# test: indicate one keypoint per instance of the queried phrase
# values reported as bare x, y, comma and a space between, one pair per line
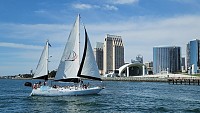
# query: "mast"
88, 67
48, 45
84, 55
79, 37
41, 71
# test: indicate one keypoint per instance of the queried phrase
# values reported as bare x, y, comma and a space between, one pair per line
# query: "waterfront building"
98, 53
193, 56
132, 69
149, 67
166, 59
113, 53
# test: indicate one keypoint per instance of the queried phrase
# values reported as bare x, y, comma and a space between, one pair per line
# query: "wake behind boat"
70, 69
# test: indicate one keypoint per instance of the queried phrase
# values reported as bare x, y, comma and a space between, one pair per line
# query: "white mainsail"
42, 67
69, 63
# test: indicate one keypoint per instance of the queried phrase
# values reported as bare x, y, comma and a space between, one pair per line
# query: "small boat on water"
70, 68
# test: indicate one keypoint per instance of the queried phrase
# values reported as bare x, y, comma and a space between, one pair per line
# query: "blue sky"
25, 25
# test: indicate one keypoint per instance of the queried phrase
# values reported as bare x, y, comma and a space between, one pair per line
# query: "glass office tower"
193, 57
166, 59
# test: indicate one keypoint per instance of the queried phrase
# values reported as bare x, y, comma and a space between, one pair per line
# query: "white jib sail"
42, 67
69, 63
90, 67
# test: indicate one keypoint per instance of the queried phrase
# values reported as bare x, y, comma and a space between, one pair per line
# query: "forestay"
88, 67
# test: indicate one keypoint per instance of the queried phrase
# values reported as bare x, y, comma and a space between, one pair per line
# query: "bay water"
117, 97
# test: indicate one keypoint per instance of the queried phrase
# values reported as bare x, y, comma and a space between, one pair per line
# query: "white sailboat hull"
69, 91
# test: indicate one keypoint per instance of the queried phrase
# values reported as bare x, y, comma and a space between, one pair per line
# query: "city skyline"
26, 25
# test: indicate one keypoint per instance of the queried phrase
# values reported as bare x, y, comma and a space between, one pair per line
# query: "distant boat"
70, 69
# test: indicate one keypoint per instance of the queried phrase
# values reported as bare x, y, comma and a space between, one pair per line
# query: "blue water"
118, 96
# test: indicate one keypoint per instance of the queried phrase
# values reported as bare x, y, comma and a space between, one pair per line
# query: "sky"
25, 25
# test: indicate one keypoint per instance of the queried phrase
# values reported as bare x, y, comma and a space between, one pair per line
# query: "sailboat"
71, 69
41, 71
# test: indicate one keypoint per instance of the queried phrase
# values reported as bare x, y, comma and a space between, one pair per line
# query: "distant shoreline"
136, 79
151, 78
146, 78
23, 78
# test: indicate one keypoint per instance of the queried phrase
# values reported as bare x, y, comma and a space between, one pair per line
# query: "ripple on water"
117, 97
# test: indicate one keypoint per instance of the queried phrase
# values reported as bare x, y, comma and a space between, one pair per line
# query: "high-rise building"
193, 56
183, 64
98, 53
166, 59
113, 52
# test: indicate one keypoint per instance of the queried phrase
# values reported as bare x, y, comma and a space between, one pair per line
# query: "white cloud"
21, 46
110, 7
89, 6
124, 1
104, 6
82, 6
139, 36
35, 32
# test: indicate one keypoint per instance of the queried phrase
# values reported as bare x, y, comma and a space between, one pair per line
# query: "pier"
170, 80
184, 81
136, 79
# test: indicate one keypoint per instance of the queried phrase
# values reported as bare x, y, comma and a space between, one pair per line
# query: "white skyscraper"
113, 53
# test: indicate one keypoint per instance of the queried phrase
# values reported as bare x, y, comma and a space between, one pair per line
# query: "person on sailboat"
88, 84
45, 83
35, 85
40, 83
